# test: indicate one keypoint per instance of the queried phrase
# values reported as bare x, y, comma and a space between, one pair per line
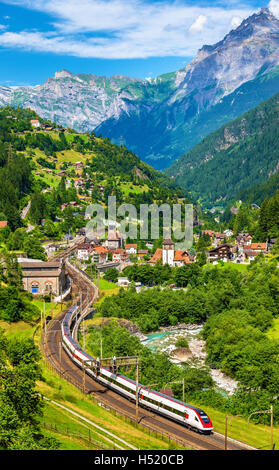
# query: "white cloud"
236, 21
199, 24
274, 7
124, 28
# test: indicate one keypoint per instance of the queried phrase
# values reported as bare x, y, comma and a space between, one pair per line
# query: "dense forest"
241, 154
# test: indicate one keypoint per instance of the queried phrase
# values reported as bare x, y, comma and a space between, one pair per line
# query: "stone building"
42, 278
114, 240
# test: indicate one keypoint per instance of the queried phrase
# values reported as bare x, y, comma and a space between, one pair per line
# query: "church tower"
168, 252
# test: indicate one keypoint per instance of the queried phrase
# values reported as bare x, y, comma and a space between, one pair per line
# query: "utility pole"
137, 392
83, 335
226, 432
61, 301
115, 362
271, 427
271, 422
83, 380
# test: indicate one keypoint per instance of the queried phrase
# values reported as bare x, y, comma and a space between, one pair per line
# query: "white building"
83, 251
168, 252
131, 249
123, 282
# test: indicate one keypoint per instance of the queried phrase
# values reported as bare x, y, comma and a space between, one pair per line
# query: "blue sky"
138, 38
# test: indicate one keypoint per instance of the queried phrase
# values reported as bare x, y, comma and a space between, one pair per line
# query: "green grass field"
72, 156
104, 285
239, 267
256, 435
127, 188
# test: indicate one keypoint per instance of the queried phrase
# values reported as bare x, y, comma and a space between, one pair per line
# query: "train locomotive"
176, 410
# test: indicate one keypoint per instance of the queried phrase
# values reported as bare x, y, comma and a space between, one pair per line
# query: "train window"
196, 419
204, 417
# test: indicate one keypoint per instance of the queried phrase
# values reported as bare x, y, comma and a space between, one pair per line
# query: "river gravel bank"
164, 340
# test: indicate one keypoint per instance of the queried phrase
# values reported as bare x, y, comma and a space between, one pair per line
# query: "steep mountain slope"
163, 118
39, 158
258, 193
84, 101
243, 153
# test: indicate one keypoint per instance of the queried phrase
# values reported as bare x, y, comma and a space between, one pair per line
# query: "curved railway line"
61, 362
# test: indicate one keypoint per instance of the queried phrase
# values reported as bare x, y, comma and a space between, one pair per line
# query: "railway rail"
61, 362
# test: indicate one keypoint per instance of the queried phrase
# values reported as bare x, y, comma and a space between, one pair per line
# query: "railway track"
58, 358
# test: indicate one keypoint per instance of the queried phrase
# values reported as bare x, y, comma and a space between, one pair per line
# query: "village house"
131, 249
181, 258
243, 239
142, 253
84, 251
99, 254
228, 233
79, 183
254, 249
123, 282
78, 165
119, 255
215, 236
211, 233
3, 223
157, 256
62, 173
221, 252
51, 249
35, 123
219, 238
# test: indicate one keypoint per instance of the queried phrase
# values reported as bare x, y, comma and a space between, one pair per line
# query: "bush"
182, 343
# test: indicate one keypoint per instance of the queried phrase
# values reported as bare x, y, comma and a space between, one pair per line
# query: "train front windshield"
204, 417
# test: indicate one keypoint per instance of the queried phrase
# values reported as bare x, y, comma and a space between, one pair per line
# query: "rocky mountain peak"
63, 74
258, 25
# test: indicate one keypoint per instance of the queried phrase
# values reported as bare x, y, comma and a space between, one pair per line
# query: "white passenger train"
187, 415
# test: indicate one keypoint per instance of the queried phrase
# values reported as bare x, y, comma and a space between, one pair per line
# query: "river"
164, 341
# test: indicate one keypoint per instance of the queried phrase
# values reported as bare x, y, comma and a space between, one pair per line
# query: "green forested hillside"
51, 168
241, 154
257, 194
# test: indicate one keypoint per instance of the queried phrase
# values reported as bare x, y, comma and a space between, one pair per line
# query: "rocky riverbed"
165, 340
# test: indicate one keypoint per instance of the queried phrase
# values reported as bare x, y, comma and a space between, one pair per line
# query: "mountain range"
163, 118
